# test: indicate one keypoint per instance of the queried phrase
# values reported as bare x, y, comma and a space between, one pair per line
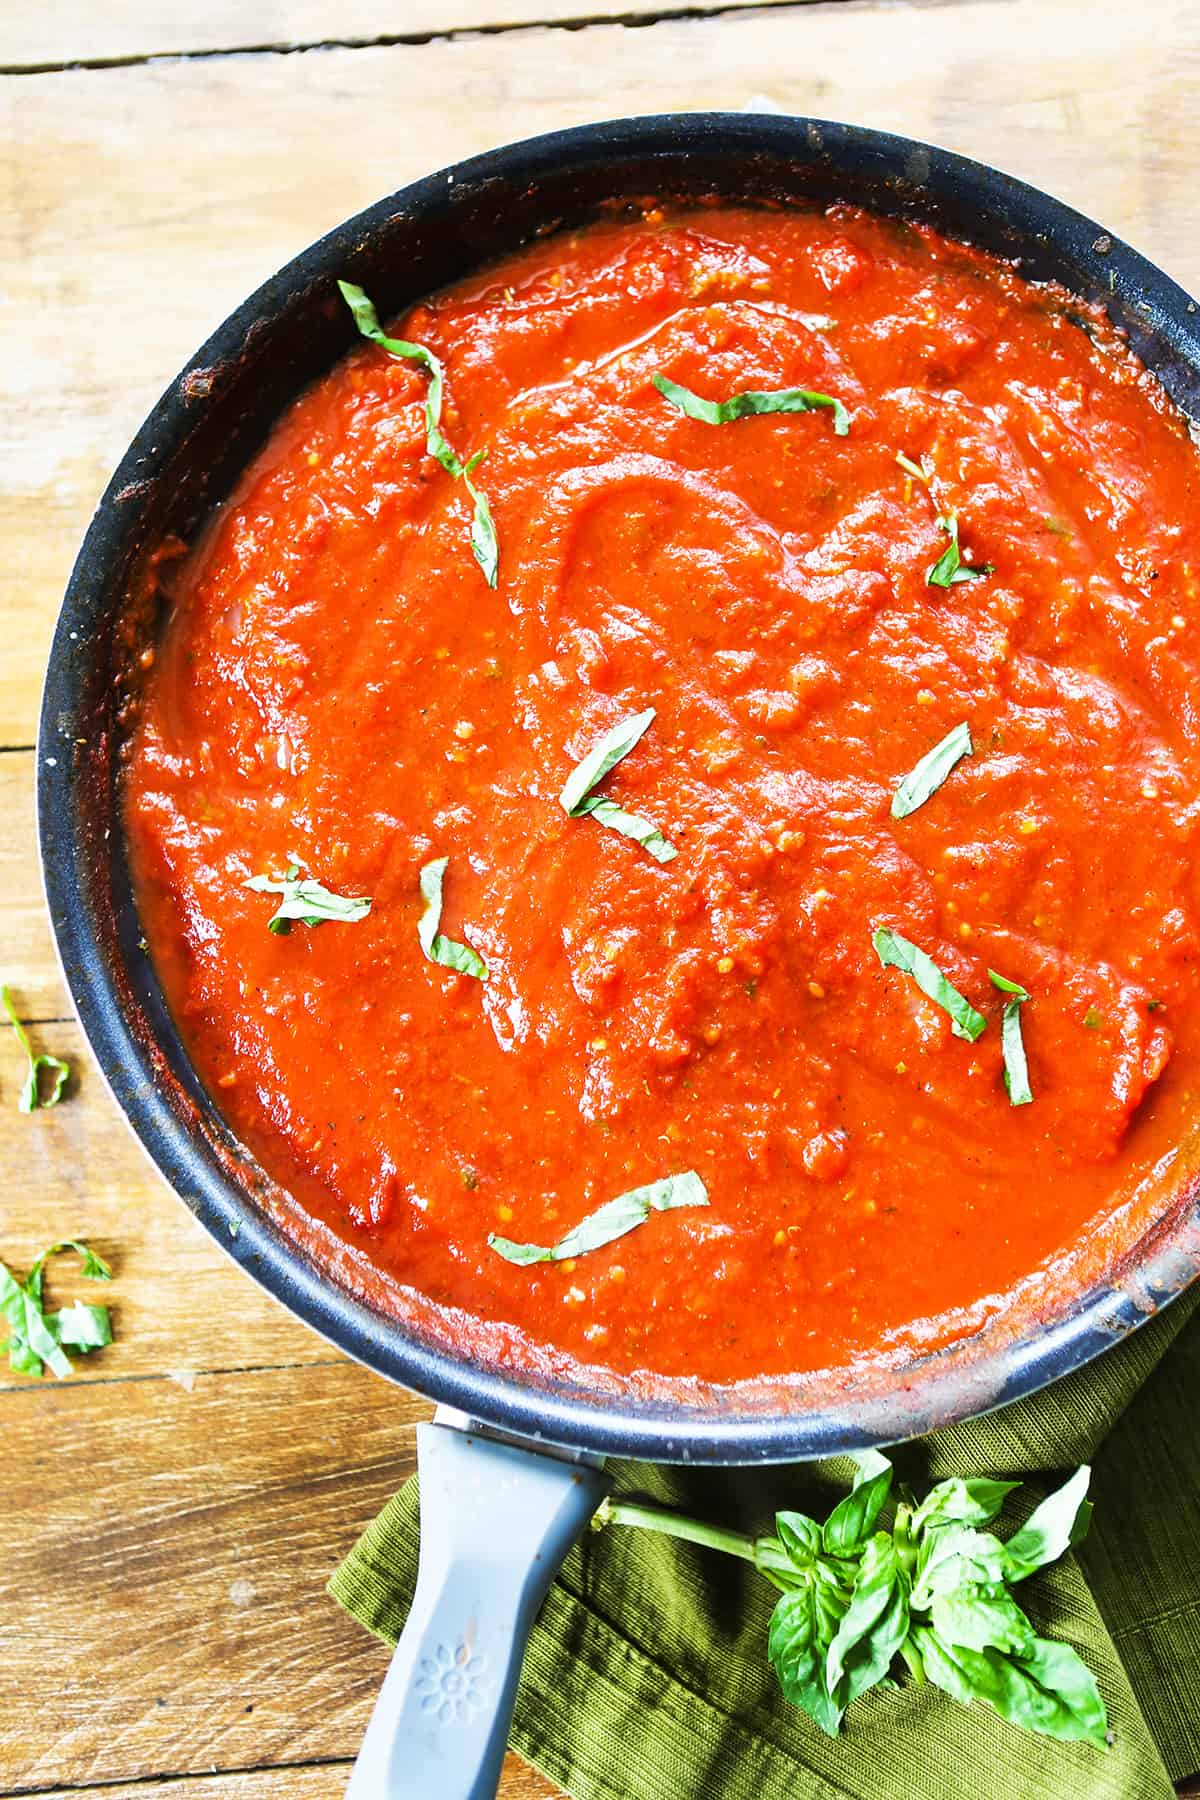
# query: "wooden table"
169, 1517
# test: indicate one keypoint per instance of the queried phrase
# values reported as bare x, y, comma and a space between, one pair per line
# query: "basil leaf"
630, 825
306, 902
610, 1221
982, 1618
36, 1337
797, 1651
800, 1537
1016, 1069
483, 531
852, 1520
950, 1557
975, 1501
928, 775
867, 1463
950, 566
922, 471
874, 1626
578, 801
81, 1326
437, 948
742, 406
895, 952
484, 547
367, 320
1049, 1690
30, 1097
1054, 1527
605, 755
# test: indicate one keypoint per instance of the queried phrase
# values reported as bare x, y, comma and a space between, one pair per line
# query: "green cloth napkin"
647, 1678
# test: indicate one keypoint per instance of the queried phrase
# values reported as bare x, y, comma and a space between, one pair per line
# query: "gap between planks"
630, 14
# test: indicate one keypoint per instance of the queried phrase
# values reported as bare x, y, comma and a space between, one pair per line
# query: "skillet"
530, 1446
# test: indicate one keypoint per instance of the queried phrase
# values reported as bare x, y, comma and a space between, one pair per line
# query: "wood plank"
126, 259
180, 1625
27, 960
324, 1782
74, 31
179, 1304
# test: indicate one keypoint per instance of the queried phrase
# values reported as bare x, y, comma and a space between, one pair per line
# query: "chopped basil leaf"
578, 801
1016, 1069
931, 771
817, 321
922, 471
483, 531
307, 902
896, 952
741, 406
950, 566
1093, 1019
36, 1338
30, 1097
1155, 1005
610, 1221
437, 948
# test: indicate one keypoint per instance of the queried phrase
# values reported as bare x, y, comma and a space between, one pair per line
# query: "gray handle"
496, 1523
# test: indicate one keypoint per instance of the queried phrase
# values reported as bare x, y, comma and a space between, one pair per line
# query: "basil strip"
483, 531
931, 771
610, 1221
307, 902
35, 1336
578, 801
950, 566
1016, 1069
742, 406
30, 1097
437, 948
895, 952
922, 471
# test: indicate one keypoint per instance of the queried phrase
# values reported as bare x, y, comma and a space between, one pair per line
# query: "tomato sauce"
337, 687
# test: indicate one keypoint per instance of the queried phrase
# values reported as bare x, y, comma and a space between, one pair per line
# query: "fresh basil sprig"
931, 1590
30, 1097
743, 406
610, 1221
895, 952
437, 948
950, 566
1016, 1069
928, 775
36, 1338
306, 902
483, 531
579, 802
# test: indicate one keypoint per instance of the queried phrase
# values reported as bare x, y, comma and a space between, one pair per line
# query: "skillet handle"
496, 1523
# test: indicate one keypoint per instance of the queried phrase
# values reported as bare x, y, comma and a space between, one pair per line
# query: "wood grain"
172, 1550
142, 203
27, 960
322, 1782
73, 31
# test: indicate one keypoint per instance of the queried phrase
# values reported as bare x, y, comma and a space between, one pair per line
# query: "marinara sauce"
338, 689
